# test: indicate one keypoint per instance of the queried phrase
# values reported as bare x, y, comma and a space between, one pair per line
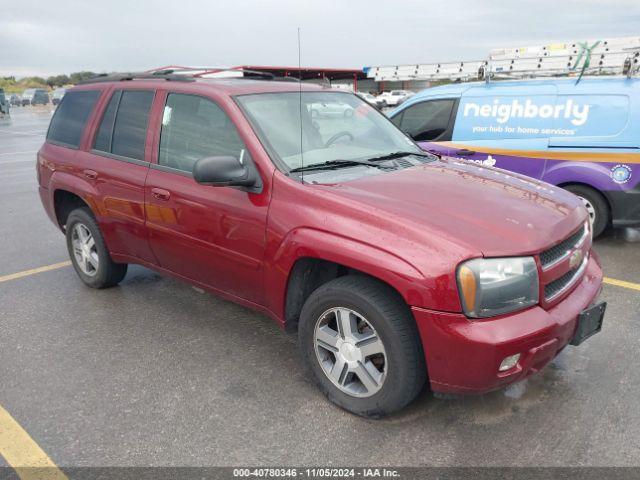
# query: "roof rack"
123, 77
185, 74
600, 57
217, 72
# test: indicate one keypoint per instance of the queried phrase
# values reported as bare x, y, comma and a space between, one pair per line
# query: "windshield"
335, 126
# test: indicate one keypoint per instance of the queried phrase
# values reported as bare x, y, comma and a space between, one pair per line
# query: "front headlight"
493, 286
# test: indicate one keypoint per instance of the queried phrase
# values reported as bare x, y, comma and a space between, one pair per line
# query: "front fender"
596, 175
312, 243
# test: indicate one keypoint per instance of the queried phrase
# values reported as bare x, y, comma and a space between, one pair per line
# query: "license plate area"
589, 323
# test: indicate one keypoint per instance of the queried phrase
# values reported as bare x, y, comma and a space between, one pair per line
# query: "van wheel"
360, 343
88, 253
596, 206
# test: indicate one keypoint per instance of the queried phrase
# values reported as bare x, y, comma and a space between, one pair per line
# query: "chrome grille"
560, 251
563, 283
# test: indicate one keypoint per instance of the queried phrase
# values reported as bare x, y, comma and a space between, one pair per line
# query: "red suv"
393, 266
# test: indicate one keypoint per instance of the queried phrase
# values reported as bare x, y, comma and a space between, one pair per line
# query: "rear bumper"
463, 356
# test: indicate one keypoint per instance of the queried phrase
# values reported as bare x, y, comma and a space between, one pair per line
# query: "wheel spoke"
365, 378
346, 323
327, 338
370, 346
338, 372
93, 260
82, 235
90, 242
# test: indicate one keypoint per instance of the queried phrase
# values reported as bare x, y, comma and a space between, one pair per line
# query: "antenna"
300, 99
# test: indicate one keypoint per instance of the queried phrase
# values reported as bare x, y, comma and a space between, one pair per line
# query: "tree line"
11, 84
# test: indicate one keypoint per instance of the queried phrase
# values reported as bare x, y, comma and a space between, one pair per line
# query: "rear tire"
88, 252
392, 366
596, 206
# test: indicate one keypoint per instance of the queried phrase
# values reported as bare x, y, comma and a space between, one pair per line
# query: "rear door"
116, 165
506, 126
429, 123
213, 235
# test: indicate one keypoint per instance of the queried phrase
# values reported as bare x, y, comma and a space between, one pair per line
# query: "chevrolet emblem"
575, 259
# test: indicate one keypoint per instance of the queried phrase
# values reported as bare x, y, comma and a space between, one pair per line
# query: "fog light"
509, 362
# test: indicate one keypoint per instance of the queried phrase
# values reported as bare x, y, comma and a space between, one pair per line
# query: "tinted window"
427, 120
71, 117
130, 128
194, 128
103, 138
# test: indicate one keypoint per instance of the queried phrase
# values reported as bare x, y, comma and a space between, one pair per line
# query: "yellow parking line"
23, 454
621, 283
33, 271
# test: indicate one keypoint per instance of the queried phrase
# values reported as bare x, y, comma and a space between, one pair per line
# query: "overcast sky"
62, 36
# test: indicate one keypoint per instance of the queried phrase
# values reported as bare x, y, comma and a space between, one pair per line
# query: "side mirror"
222, 171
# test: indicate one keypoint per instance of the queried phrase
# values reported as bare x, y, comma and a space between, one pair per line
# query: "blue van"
584, 136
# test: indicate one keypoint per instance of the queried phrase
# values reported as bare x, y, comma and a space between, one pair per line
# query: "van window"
71, 117
428, 120
194, 127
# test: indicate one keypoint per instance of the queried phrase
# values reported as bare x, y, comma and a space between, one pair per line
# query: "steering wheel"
338, 135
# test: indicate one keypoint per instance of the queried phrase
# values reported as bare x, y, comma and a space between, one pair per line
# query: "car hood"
487, 210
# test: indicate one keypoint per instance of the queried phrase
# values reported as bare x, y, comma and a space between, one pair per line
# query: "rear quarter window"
71, 117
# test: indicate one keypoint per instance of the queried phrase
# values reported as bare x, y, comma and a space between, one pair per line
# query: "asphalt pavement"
154, 372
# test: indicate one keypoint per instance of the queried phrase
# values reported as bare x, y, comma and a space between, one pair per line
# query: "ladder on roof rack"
609, 56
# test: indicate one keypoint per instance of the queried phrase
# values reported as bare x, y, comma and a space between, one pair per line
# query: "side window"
103, 138
194, 128
427, 120
71, 117
123, 129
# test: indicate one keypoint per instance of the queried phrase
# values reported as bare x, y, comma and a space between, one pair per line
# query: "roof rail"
600, 57
123, 77
217, 72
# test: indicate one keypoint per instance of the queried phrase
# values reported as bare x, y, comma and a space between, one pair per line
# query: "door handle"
464, 152
90, 174
161, 194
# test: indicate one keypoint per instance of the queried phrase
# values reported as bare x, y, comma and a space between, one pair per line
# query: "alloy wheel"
350, 352
84, 249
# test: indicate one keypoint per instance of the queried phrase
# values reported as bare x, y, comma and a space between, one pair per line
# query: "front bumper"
463, 356
625, 207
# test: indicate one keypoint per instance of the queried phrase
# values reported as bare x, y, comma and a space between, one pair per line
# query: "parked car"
35, 96
393, 266
370, 99
14, 100
394, 97
330, 109
583, 137
57, 95
4, 103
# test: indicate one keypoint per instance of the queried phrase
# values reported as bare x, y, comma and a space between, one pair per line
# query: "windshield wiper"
331, 164
390, 156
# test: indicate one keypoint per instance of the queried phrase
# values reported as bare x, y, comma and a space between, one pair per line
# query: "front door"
429, 123
213, 235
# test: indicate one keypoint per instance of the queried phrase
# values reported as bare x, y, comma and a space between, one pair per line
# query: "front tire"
360, 342
595, 204
88, 252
